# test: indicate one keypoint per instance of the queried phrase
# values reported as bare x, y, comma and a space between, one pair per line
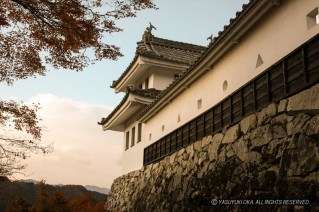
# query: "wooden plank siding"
292, 74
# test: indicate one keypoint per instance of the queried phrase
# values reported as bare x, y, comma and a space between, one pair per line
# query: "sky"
73, 102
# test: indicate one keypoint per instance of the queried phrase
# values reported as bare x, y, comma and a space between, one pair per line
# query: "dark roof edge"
137, 92
176, 44
104, 120
115, 82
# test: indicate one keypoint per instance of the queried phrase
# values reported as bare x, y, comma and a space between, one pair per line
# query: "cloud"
83, 153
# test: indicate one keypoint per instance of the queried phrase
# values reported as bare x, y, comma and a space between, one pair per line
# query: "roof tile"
167, 50
150, 93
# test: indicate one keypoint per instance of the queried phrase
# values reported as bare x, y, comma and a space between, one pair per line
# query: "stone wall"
264, 162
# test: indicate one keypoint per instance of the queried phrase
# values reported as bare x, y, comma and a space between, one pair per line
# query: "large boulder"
248, 123
231, 135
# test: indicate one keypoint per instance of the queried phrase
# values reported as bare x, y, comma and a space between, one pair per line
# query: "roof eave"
133, 100
143, 62
161, 42
136, 64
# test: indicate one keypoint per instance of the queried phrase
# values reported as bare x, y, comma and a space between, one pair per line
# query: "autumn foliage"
38, 34
55, 202
13, 149
64, 29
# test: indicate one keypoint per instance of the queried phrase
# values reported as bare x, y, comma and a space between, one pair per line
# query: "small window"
127, 140
133, 137
312, 18
178, 118
199, 104
225, 85
139, 132
163, 128
150, 136
146, 83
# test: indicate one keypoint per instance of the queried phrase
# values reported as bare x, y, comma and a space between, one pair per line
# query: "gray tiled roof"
166, 50
174, 51
150, 93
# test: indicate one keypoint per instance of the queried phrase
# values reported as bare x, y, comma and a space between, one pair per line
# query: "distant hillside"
88, 187
9, 191
97, 189
29, 181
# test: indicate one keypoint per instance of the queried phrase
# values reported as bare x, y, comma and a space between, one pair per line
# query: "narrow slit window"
139, 132
225, 85
127, 137
199, 104
133, 137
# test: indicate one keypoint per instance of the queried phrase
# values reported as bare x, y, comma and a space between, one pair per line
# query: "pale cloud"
83, 153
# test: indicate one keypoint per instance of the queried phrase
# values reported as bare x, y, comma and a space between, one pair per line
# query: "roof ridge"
172, 43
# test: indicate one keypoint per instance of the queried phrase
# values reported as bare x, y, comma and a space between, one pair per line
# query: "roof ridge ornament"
148, 37
150, 27
211, 38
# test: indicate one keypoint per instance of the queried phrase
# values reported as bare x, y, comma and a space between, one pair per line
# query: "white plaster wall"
144, 83
151, 81
282, 31
133, 156
162, 80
